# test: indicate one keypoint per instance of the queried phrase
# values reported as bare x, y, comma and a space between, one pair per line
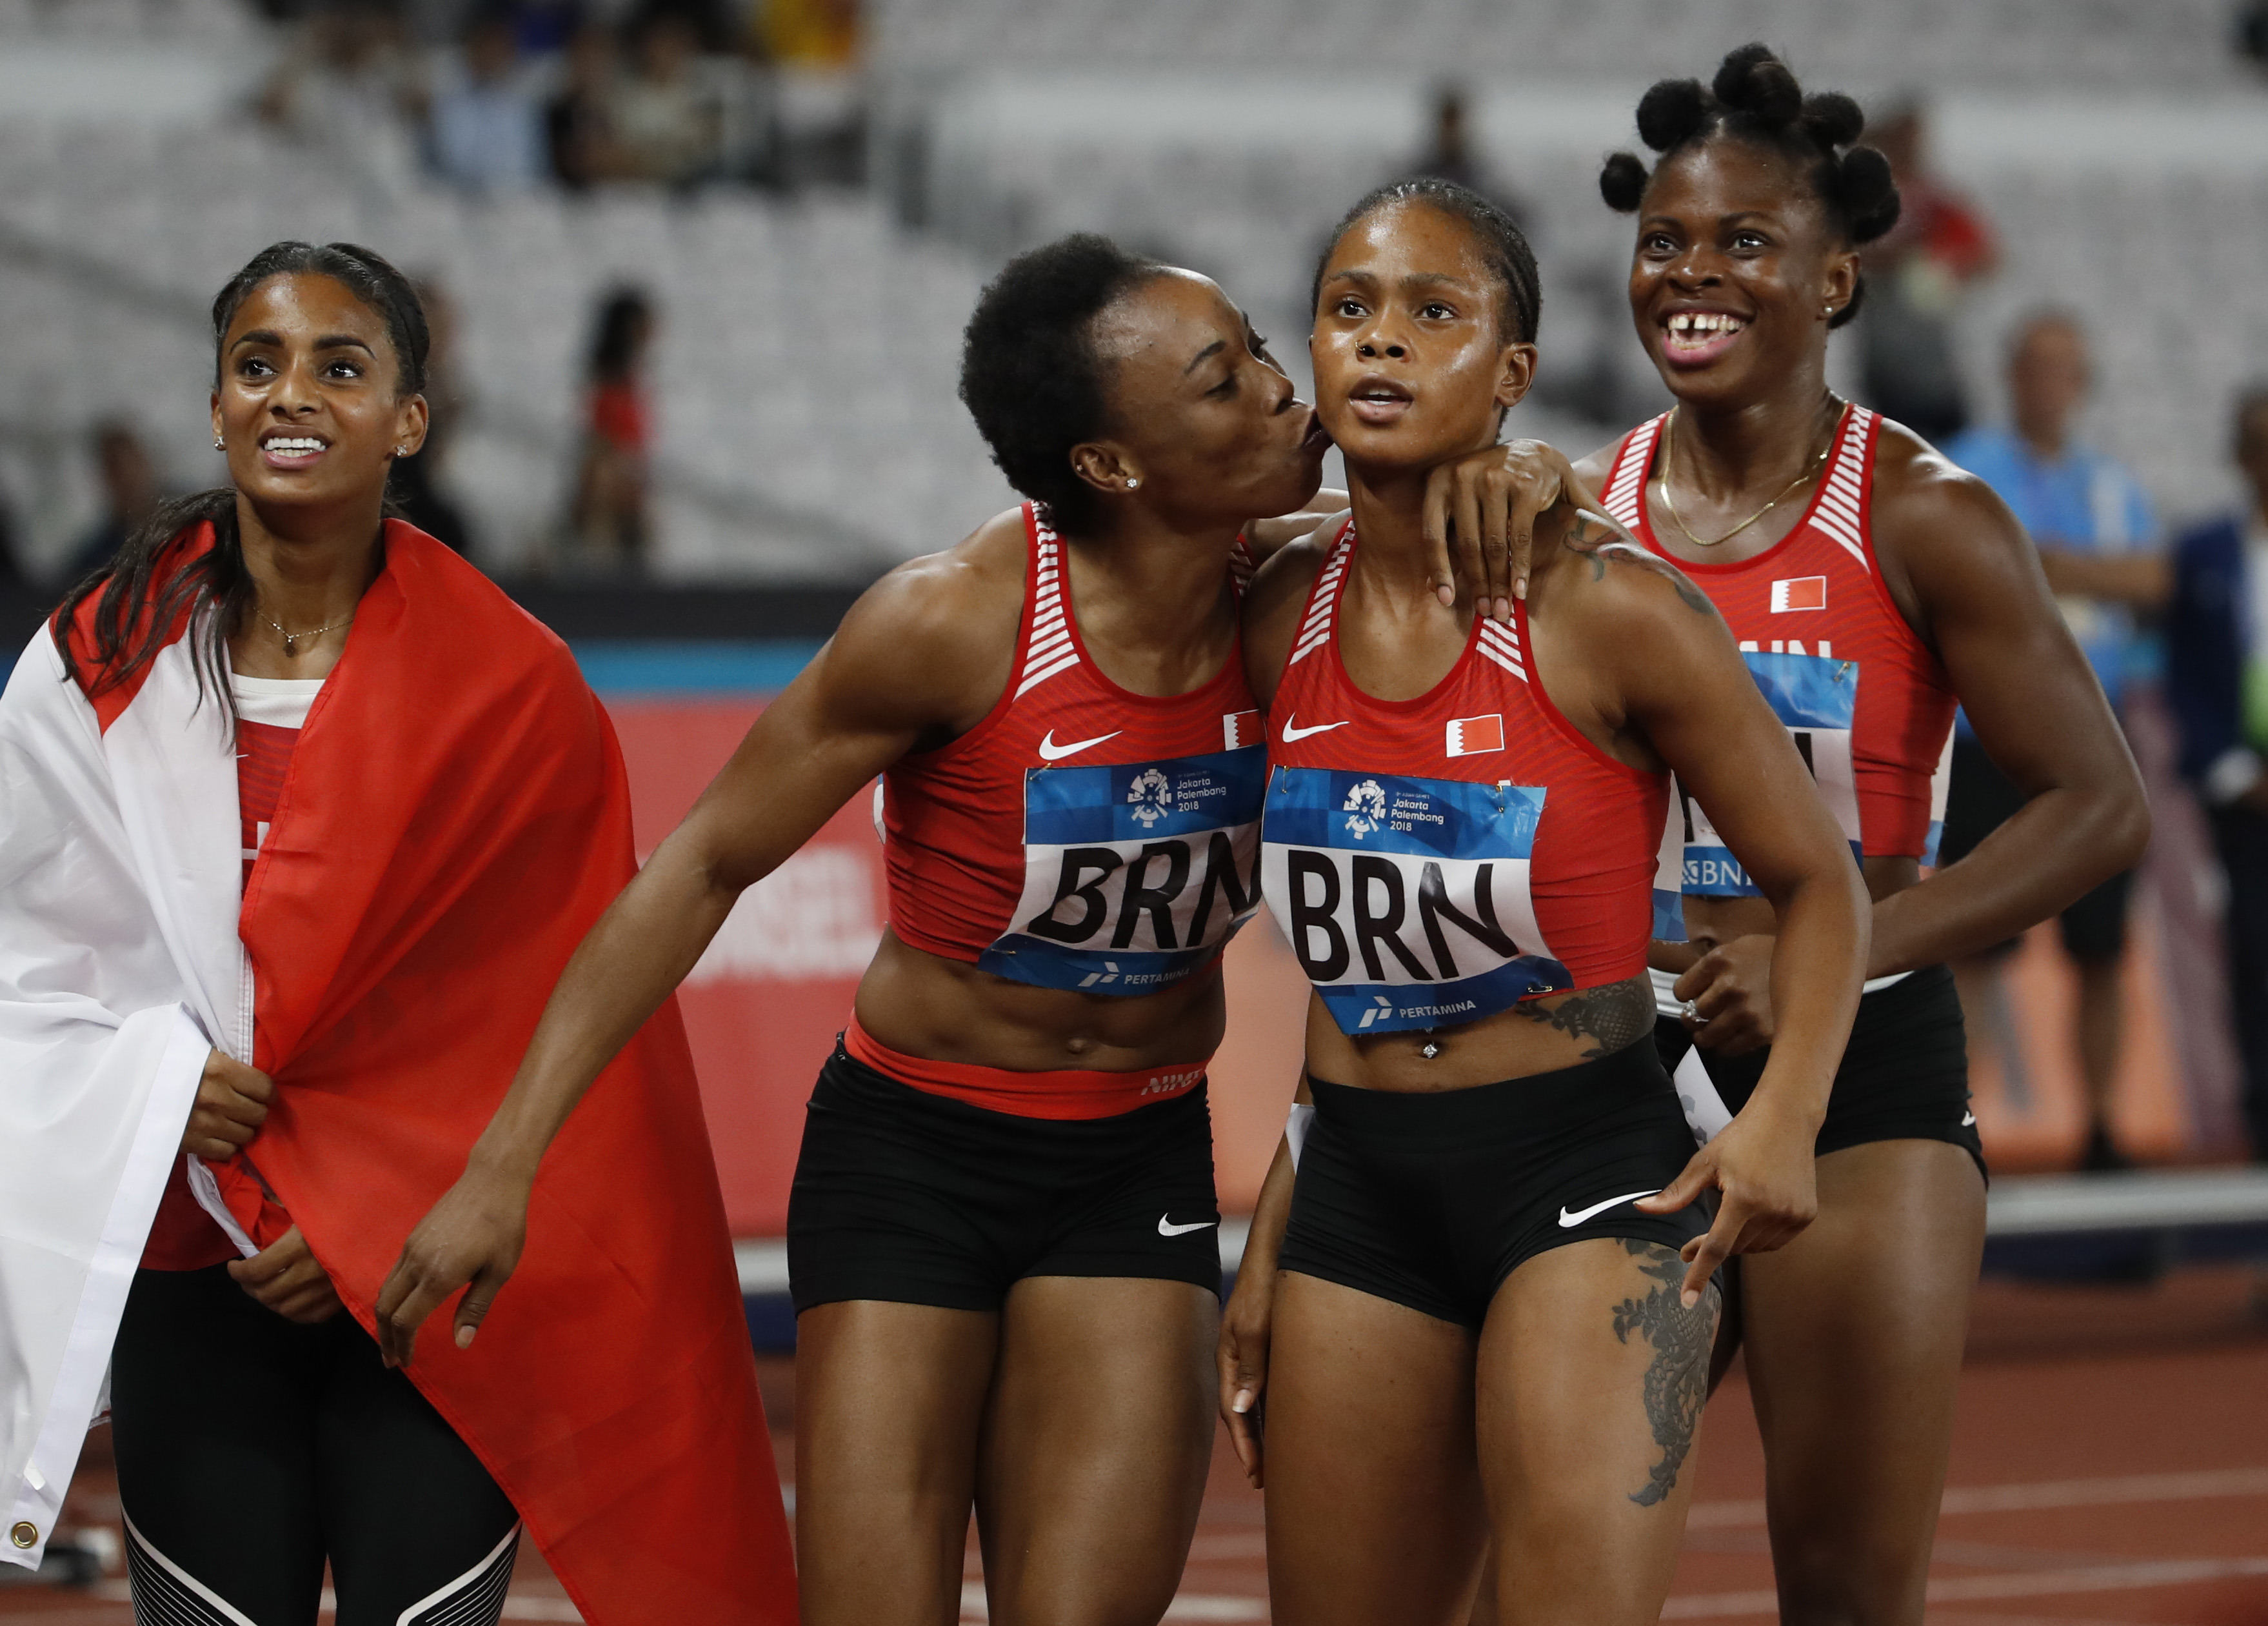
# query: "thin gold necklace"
292, 640
1668, 502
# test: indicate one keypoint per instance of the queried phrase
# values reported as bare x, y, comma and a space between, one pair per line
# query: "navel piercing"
1429, 1050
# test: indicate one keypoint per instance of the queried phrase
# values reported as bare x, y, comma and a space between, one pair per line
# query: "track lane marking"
2041, 1494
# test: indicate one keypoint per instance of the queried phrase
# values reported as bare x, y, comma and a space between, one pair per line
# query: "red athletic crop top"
1081, 836
1439, 860
1866, 702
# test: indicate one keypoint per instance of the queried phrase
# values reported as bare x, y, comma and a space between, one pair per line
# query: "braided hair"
137, 607
1755, 99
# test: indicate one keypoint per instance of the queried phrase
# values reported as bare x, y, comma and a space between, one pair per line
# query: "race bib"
1407, 900
1135, 874
1817, 697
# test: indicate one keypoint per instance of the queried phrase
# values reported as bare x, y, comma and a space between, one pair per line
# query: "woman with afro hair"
1873, 586
1003, 1233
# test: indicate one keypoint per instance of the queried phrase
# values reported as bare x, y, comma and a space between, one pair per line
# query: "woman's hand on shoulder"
1481, 511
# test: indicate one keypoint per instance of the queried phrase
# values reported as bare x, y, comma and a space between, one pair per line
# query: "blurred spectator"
349, 83
1450, 156
666, 126
609, 516
2100, 547
488, 132
2252, 33
2217, 680
541, 27
814, 36
413, 491
130, 490
579, 123
1915, 277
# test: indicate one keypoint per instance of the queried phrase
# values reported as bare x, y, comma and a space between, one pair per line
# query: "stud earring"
218, 445
1827, 311
1131, 483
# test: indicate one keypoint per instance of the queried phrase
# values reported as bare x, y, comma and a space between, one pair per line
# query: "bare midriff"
922, 1004
1540, 1035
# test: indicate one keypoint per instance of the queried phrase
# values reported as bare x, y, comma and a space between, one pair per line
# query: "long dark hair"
135, 616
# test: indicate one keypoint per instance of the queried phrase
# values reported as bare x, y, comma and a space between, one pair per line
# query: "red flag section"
455, 818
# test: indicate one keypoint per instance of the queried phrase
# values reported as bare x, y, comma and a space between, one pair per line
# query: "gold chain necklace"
292, 640
1669, 449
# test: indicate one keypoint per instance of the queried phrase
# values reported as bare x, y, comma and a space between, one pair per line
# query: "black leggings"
250, 1449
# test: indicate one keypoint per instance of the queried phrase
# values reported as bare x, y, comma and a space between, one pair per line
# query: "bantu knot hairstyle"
1499, 234
1029, 373
1755, 99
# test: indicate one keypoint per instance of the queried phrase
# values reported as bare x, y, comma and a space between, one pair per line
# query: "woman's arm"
923, 655
1968, 580
1662, 667
1245, 1319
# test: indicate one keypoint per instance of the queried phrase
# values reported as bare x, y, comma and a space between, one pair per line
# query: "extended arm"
908, 663
1683, 688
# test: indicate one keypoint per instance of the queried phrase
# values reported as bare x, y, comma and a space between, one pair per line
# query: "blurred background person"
609, 518
821, 35
1916, 275
579, 119
130, 495
487, 131
2217, 681
414, 490
2099, 544
350, 83
1450, 157
667, 124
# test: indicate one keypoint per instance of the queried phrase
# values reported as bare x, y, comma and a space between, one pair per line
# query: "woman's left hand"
1730, 990
1487, 502
285, 1277
1761, 1164
473, 1236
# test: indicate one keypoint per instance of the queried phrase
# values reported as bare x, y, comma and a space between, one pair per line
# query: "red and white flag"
1470, 737
1799, 593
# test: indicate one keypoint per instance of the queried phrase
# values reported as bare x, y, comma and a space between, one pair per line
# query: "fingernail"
1447, 596
1242, 1402
1689, 1298
1520, 589
465, 1337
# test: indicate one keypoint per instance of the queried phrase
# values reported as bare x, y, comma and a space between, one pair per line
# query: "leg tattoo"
1678, 1380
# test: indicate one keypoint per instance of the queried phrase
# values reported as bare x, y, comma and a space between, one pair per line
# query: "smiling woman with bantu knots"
300, 816
1873, 586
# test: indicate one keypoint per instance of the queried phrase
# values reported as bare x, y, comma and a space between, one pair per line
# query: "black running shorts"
1432, 1200
918, 1199
1904, 1075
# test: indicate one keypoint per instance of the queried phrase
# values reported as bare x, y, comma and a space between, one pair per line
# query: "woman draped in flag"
298, 817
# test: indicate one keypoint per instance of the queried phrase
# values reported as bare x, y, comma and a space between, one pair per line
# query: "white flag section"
120, 968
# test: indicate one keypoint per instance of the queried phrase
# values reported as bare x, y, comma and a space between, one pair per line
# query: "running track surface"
2110, 1469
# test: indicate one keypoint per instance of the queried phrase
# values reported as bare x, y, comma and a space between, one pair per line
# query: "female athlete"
1002, 1234
1490, 1284
298, 815
1873, 586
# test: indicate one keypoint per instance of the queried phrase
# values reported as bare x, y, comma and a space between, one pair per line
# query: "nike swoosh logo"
1568, 1222
1967, 1119
1052, 752
1292, 731
1167, 1228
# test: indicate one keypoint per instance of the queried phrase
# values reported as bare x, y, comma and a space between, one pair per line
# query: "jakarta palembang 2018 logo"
1365, 809
1152, 796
